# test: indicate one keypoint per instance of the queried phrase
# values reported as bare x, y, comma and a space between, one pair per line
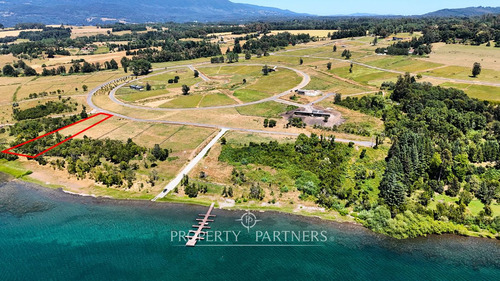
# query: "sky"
382, 7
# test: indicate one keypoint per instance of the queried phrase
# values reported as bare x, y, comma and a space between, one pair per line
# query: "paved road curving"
305, 80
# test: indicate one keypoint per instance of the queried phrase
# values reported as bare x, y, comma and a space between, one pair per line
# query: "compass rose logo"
248, 220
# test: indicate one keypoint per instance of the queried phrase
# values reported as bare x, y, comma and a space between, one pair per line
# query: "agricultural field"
313, 32
268, 109
228, 85
465, 55
481, 92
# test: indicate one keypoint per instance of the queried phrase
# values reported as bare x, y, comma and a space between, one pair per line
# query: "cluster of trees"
46, 33
348, 33
42, 110
232, 57
268, 43
219, 59
271, 123
140, 66
296, 122
17, 68
372, 105
192, 189
110, 162
442, 142
172, 50
305, 161
346, 54
174, 80
402, 48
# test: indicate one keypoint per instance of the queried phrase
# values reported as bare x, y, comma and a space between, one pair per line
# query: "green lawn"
186, 77
323, 82
402, 63
276, 82
101, 50
266, 109
183, 102
250, 95
464, 73
216, 99
130, 95
364, 75
475, 206
13, 168
488, 93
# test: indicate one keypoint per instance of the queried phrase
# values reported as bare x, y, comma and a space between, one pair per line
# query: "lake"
50, 235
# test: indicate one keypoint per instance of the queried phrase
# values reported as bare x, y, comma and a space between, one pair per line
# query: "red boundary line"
57, 144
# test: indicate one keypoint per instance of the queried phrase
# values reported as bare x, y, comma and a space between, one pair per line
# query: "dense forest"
443, 142
318, 164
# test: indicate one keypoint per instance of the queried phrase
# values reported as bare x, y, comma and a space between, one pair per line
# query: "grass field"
265, 109
326, 83
474, 207
312, 32
13, 168
250, 95
488, 93
364, 75
464, 73
159, 85
183, 101
131, 95
402, 63
241, 138
216, 99
465, 55
70, 84
276, 82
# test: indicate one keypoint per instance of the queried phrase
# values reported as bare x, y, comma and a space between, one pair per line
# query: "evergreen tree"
185, 90
476, 69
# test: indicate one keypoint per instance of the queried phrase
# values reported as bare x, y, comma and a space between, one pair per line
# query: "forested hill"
465, 12
99, 11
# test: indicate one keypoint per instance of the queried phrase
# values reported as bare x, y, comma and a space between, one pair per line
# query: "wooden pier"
202, 224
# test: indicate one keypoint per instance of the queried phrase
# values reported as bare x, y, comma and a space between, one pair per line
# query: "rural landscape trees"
476, 69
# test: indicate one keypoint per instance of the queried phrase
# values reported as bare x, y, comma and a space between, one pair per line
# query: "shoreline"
4, 178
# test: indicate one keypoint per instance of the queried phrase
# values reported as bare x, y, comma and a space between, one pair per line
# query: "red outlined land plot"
107, 116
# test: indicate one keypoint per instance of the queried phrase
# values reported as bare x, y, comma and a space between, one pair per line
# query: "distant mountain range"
91, 12
464, 12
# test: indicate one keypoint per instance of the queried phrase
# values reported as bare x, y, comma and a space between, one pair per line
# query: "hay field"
312, 32
80, 31
68, 83
465, 55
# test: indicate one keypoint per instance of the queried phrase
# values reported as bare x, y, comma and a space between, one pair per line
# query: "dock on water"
202, 224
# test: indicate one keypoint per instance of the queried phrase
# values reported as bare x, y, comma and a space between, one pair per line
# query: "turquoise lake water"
49, 235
